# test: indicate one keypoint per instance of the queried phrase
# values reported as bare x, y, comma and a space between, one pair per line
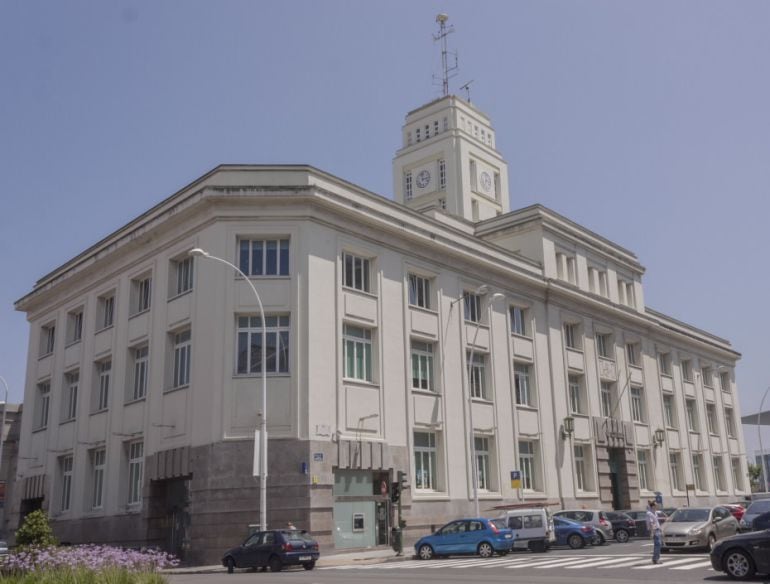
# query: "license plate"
305, 558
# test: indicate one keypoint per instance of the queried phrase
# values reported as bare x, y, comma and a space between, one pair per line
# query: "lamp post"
198, 252
482, 291
2, 437
762, 456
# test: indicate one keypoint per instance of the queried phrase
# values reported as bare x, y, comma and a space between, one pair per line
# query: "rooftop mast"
447, 71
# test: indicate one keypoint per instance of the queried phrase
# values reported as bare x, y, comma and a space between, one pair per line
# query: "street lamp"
2, 435
762, 456
198, 252
659, 437
568, 427
481, 291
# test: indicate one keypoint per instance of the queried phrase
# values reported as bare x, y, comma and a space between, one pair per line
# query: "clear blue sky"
648, 122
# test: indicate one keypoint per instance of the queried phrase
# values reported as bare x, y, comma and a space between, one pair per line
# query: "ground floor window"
425, 461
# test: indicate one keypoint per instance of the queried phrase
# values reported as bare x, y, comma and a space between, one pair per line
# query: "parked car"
572, 533
274, 549
668, 512
761, 522
737, 510
742, 556
532, 528
593, 517
3, 548
698, 527
623, 525
640, 520
466, 536
752, 512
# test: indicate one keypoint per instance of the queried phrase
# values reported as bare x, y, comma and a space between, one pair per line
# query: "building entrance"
170, 515
361, 513
621, 496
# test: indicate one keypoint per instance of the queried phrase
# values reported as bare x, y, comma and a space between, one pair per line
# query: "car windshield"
499, 523
689, 515
758, 507
297, 536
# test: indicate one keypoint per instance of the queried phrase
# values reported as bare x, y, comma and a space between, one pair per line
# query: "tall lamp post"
762, 456
481, 291
198, 252
2, 435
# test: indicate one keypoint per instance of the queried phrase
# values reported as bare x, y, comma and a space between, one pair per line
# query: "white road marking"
693, 566
625, 560
667, 564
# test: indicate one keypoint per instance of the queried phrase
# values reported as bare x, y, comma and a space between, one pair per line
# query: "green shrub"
36, 530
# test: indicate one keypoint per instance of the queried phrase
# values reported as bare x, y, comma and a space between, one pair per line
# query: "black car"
623, 525
273, 549
760, 522
640, 520
741, 556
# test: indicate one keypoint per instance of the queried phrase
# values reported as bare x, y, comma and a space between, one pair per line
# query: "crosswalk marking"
666, 564
625, 560
535, 564
693, 566
593, 562
561, 564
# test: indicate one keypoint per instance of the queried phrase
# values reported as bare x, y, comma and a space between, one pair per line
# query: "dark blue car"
274, 550
466, 536
572, 533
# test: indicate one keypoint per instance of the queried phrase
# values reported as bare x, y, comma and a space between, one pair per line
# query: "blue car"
466, 536
572, 533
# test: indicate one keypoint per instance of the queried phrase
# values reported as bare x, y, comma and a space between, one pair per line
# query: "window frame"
47, 339
522, 385
519, 317
719, 473
70, 398
359, 343
419, 291
712, 424
141, 294
426, 454
528, 464
140, 372
66, 471
483, 462
606, 389
664, 363
423, 364
181, 276
633, 354
472, 308
691, 411
105, 311
576, 394
42, 404
697, 471
638, 409
181, 359
669, 411
357, 272
675, 468
135, 460
477, 375
103, 382
98, 460
643, 470
277, 337
75, 326
280, 245
572, 336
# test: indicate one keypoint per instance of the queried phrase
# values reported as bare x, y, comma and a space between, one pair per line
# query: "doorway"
621, 496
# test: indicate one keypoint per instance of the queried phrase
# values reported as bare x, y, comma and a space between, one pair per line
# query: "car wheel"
425, 552
276, 565
621, 535
598, 539
575, 541
309, 565
230, 562
712, 541
738, 565
485, 550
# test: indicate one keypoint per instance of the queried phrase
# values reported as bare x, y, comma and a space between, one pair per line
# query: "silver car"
697, 527
593, 517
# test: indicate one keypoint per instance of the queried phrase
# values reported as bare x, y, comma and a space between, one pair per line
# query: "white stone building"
142, 389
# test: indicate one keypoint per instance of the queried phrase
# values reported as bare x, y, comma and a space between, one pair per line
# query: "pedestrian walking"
653, 525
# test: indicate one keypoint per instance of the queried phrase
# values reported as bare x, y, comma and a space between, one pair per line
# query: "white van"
532, 528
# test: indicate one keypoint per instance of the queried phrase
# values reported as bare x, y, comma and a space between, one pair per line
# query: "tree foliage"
36, 530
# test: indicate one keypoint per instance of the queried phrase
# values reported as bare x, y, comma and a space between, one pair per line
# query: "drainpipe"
553, 394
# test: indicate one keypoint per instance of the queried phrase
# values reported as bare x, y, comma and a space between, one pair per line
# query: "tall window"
524, 395
98, 463
719, 476
572, 336
576, 401
697, 471
263, 257
637, 404
528, 465
626, 293
711, 419
607, 400
476, 369
425, 455
141, 294
642, 459
182, 353
664, 360
565, 267
518, 321
708, 378
583, 468
358, 352
472, 304
692, 415
408, 193
632, 354
675, 462
74, 326
724, 381
419, 291
140, 358
442, 174
106, 311
735, 464
482, 462
249, 336
729, 422
47, 339
686, 367
65, 466
71, 382
181, 275
597, 281
669, 413
103, 374
43, 404
355, 272
604, 346
135, 472
422, 366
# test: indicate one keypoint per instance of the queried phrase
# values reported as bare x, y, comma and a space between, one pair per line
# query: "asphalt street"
612, 563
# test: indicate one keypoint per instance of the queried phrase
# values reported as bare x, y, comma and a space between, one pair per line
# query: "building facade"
440, 334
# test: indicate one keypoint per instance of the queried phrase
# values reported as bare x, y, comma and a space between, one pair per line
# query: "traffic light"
402, 480
395, 491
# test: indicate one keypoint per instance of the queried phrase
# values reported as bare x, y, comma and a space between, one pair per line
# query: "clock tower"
448, 160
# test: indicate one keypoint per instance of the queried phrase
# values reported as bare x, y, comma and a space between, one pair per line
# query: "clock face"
423, 179
486, 181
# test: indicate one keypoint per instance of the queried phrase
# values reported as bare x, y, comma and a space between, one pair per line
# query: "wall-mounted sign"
318, 457
515, 479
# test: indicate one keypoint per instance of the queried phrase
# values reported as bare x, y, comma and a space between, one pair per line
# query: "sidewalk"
362, 557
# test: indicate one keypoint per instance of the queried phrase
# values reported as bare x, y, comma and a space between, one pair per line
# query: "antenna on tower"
467, 88
447, 71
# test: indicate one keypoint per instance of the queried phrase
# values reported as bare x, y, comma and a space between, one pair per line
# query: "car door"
762, 553
249, 551
265, 549
447, 538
